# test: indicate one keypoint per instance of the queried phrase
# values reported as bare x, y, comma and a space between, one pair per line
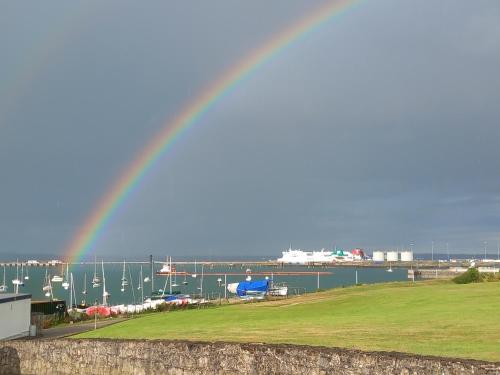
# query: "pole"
95, 314
225, 286
142, 287
152, 274
485, 245
131, 284
171, 272
356, 277
201, 283
318, 282
71, 291
448, 250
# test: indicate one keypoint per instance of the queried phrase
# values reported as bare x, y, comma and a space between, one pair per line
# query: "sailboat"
175, 280
3, 287
21, 280
124, 279
57, 278
96, 281
146, 279
105, 293
390, 267
47, 288
65, 284
140, 280
185, 282
194, 274
46, 283
27, 276
16, 281
141, 286
84, 290
71, 292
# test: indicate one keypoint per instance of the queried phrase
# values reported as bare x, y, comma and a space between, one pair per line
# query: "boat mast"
51, 292
131, 283
104, 293
71, 291
201, 281
141, 283
17, 276
170, 266
84, 283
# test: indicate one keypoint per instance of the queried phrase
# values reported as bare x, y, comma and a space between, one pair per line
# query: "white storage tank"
407, 256
392, 256
378, 256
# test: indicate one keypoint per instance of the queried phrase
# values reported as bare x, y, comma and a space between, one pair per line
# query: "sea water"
208, 284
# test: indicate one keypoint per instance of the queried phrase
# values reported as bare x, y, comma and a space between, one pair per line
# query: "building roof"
9, 297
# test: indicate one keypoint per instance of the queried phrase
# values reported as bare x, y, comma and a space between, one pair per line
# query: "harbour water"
339, 277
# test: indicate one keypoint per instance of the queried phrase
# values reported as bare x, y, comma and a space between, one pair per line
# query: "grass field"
435, 318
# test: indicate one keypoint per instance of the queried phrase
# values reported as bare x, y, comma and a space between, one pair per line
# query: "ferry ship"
298, 256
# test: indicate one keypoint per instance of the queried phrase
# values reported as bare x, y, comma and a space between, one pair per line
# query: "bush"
470, 276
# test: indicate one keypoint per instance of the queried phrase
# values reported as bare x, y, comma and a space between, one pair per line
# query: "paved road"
73, 329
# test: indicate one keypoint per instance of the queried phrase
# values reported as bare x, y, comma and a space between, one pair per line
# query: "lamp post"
219, 283
225, 287
95, 314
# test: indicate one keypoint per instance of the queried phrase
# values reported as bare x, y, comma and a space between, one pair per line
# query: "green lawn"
436, 318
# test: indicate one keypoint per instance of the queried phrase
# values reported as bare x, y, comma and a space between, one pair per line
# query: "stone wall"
67, 356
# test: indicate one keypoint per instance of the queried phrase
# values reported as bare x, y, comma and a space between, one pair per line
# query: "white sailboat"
27, 276
57, 278
105, 293
168, 268
46, 283
194, 274
72, 293
47, 288
3, 287
141, 286
21, 280
16, 281
96, 281
84, 290
146, 279
124, 279
65, 284
175, 285
390, 267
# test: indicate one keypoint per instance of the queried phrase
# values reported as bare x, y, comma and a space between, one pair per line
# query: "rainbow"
86, 237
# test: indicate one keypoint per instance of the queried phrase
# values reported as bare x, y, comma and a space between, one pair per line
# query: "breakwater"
111, 357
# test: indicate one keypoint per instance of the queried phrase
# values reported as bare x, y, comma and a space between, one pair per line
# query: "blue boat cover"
259, 286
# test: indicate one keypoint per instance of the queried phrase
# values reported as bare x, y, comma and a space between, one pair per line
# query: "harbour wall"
67, 356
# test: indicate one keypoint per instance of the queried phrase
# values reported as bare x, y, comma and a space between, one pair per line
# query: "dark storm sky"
380, 129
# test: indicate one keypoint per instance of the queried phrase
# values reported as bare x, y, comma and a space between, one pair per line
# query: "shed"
15, 313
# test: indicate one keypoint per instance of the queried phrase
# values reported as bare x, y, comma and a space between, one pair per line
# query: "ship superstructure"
298, 256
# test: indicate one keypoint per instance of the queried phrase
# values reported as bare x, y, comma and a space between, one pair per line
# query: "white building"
15, 315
